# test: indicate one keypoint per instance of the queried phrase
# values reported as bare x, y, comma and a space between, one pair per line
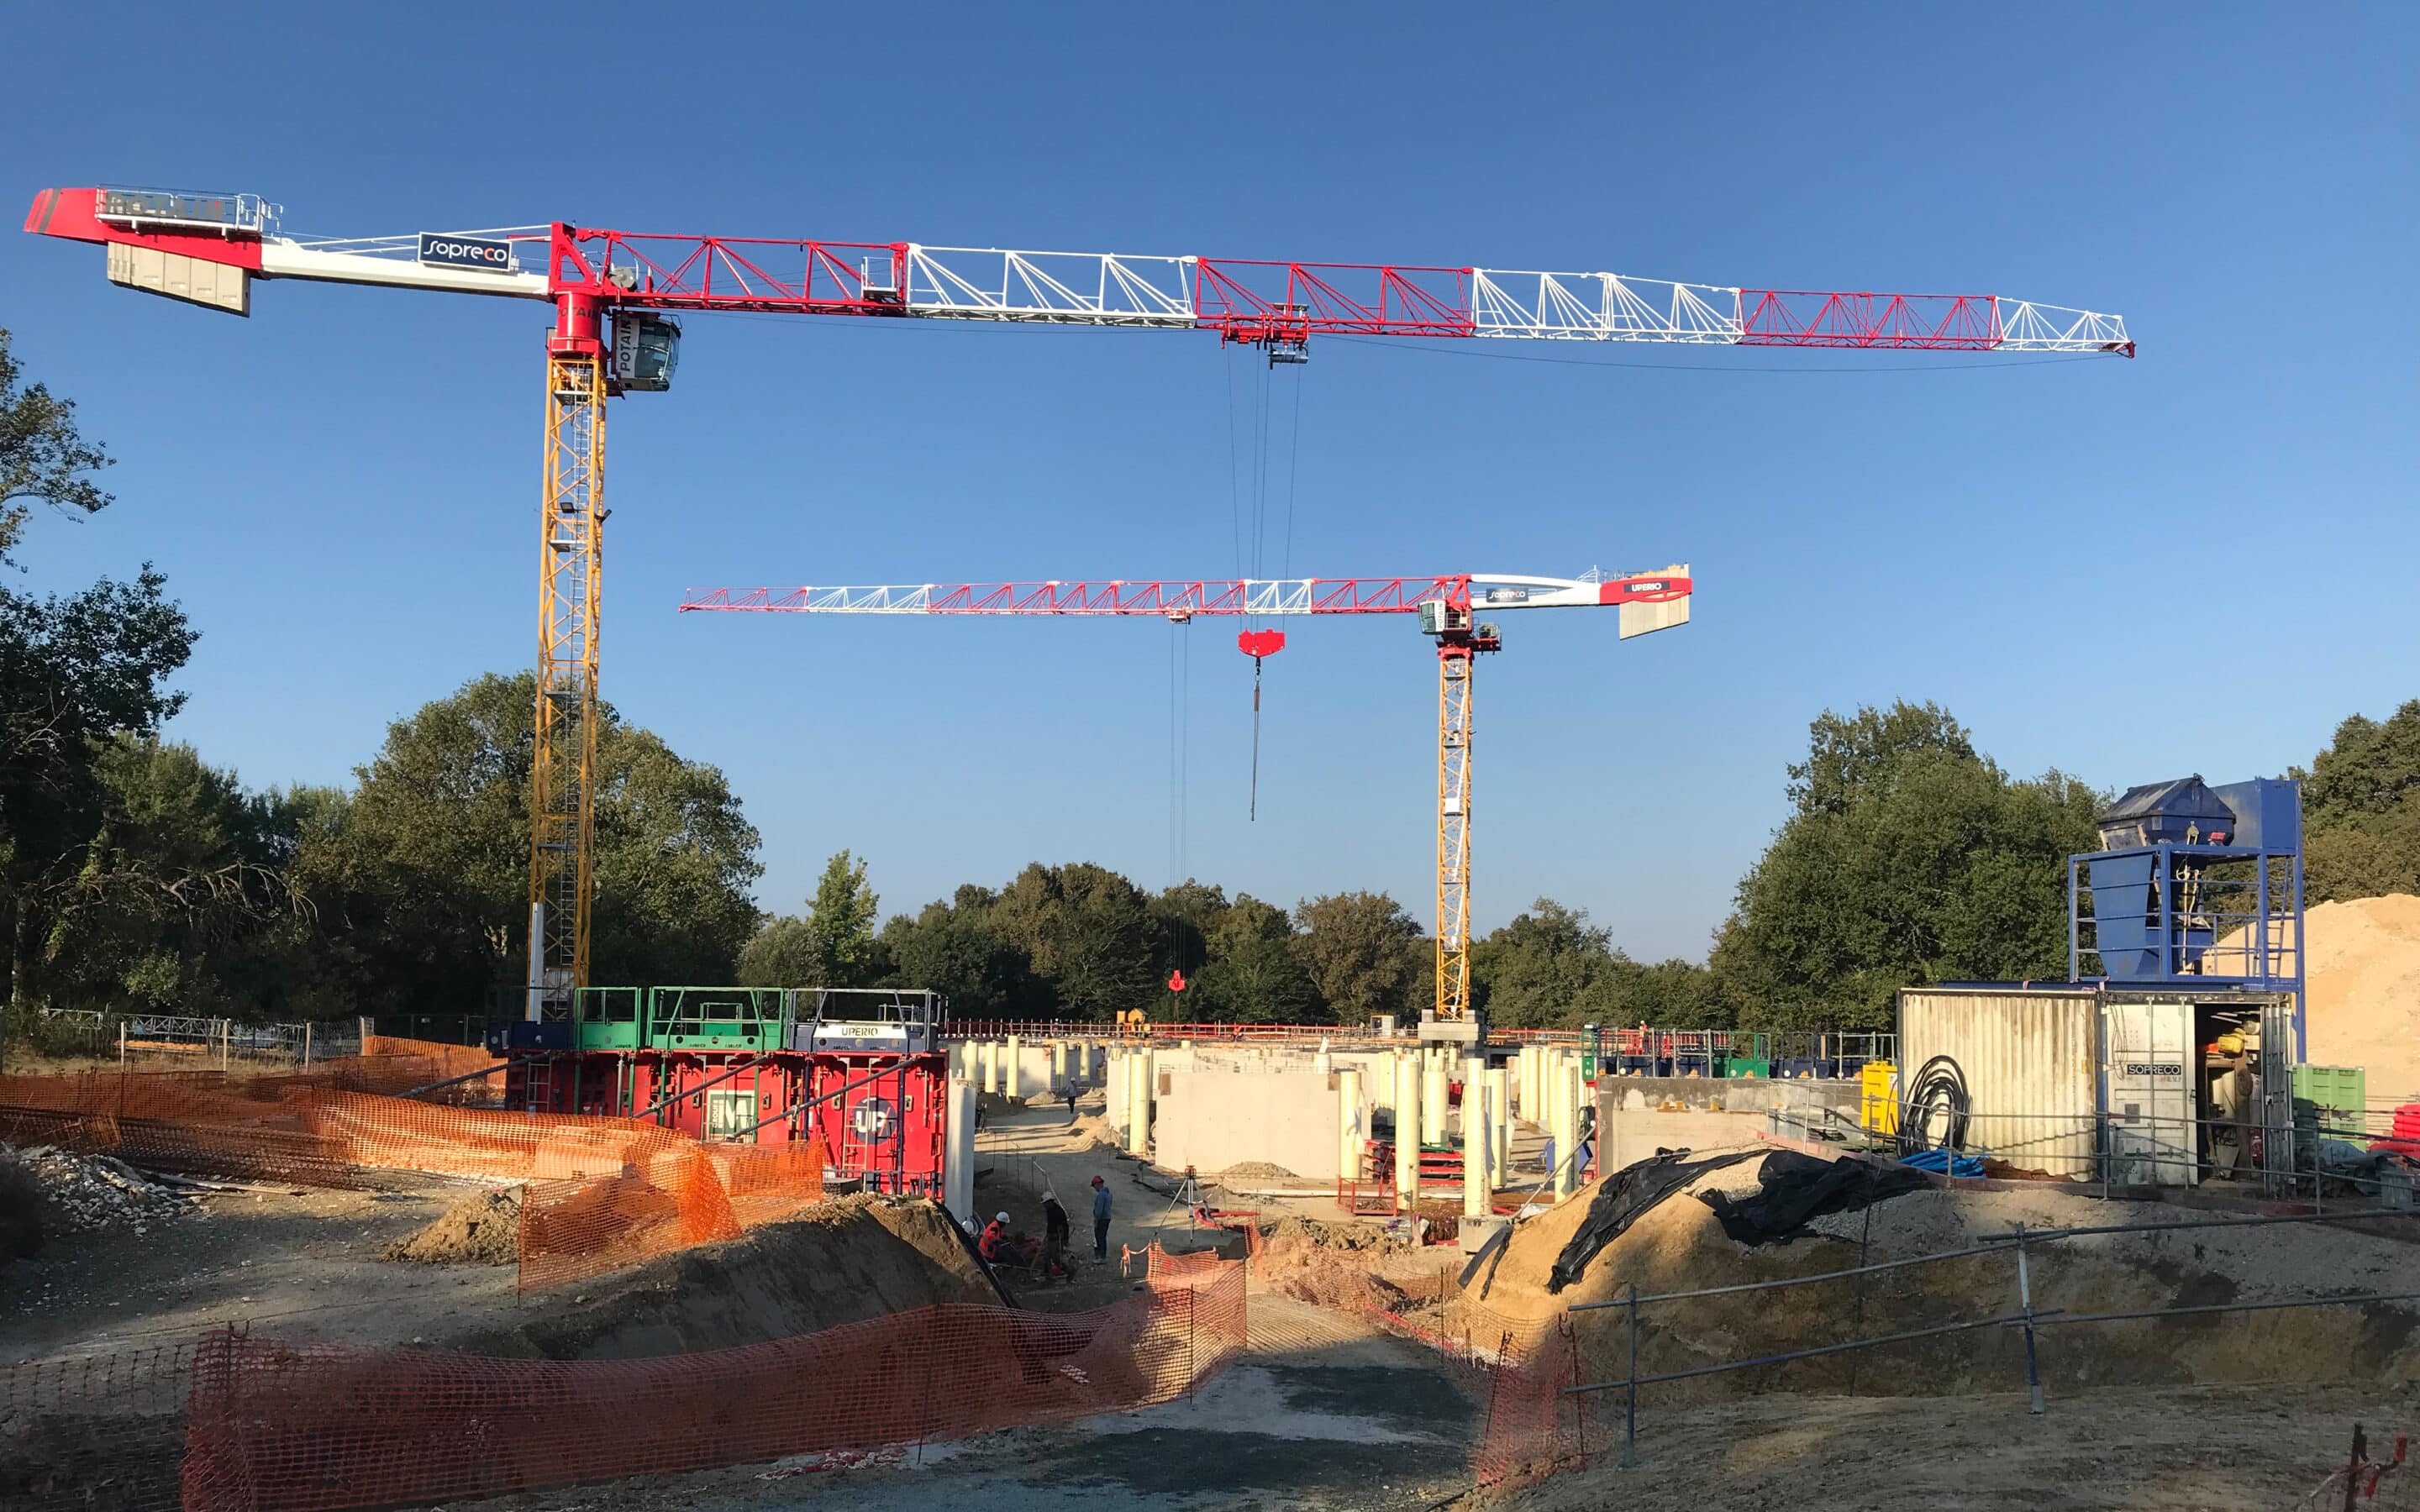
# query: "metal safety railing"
2018, 1244
2117, 1153
1641, 1050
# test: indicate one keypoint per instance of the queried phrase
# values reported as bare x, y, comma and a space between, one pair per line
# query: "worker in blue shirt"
1100, 1219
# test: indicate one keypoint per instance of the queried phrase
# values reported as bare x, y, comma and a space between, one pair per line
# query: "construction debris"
89, 1192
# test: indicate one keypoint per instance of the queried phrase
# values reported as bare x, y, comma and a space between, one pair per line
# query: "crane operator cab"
647, 348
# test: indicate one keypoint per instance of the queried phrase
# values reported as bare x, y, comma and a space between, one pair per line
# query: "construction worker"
1054, 1233
1002, 1246
1100, 1219
1073, 1088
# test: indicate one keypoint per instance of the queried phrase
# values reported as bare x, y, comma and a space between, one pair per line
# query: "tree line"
135, 875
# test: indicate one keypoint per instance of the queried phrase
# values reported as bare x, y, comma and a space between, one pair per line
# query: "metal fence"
2025, 1316
2119, 1154
212, 1043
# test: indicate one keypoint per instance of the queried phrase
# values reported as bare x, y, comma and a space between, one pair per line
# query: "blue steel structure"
2195, 887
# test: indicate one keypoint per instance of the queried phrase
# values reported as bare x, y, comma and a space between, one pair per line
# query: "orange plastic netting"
279, 1429
603, 1192
446, 1062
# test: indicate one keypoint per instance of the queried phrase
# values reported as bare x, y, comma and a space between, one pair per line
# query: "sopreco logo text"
443, 251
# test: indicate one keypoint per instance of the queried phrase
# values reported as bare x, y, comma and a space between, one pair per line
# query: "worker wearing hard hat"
1001, 1246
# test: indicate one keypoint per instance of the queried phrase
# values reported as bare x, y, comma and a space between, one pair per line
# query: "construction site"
2117, 1207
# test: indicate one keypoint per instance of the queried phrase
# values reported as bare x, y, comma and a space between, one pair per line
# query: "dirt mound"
839, 1263
2363, 980
1679, 1245
483, 1228
1256, 1170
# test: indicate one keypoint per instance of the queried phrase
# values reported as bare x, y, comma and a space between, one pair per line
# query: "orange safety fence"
276, 1428
604, 1193
1534, 1428
447, 1061
668, 1196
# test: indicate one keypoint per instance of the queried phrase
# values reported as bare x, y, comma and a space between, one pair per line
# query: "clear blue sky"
2200, 559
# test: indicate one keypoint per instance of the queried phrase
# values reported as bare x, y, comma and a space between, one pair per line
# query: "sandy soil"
304, 1261
2213, 1449
2363, 979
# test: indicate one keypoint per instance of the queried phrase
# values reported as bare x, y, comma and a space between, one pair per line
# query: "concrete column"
1522, 1082
1477, 1168
1433, 1080
1323, 1062
1139, 1093
1113, 1089
1407, 1131
1499, 1128
1550, 1098
1348, 1123
1008, 1068
988, 1054
1567, 1127
958, 1153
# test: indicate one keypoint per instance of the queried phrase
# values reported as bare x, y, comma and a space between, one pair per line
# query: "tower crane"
616, 296
1448, 608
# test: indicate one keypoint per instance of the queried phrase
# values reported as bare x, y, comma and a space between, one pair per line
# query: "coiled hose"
1938, 1084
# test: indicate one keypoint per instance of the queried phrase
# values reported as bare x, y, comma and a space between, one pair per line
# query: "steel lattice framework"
1182, 598
207, 249
1449, 606
563, 804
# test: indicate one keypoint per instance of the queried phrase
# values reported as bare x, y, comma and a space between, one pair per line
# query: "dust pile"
2364, 981
1680, 1245
483, 1228
841, 1262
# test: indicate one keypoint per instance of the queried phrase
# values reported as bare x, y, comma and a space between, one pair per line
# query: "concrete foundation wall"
1217, 1116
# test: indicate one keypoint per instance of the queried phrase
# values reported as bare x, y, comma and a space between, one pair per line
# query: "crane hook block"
1176, 981
1259, 643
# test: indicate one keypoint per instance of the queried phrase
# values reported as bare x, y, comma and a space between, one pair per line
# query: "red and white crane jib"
1648, 601
1264, 302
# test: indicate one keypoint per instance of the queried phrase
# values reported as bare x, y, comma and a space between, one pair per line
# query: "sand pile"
1678, 1245
483, 1228
2363, 980
838, 1262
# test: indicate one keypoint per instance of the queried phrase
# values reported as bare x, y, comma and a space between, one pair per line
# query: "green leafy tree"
782, 953
180, 899
2361, 809
951, 947
1551, 968
426, 872
1184, 917
1929, 863
1088, 932
1363, 953
833, 946
1849, 759
1253, 970
75, 673
42, 458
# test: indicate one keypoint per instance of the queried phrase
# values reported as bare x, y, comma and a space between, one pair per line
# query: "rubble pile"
86, 1192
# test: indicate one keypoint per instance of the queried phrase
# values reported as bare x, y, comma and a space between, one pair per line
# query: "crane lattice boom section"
1266, 302
1262, 302
1249, 597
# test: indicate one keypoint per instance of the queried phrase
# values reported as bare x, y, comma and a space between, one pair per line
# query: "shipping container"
2133, 1086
